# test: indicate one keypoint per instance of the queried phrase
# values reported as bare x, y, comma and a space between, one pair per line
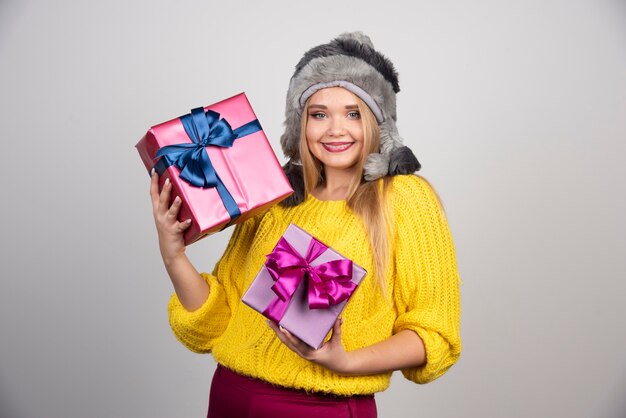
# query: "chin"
339, 164
338, 161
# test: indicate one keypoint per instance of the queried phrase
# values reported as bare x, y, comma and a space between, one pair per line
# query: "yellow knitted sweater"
422, 293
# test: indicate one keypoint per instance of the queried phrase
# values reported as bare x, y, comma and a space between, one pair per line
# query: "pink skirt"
236, 396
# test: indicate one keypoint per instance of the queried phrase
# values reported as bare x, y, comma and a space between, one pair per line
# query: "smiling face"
334, 129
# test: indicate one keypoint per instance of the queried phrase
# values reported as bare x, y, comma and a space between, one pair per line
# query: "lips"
336, 146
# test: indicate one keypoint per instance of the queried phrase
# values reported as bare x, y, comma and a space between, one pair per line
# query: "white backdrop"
516, 110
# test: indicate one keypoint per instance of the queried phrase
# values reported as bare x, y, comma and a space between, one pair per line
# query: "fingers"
163, 206
278, 330
160, 202
295, 341
172, 214
175, 208
173, 211
154, 188
337, 326
290, 340
164, 197
336, 335
184, 225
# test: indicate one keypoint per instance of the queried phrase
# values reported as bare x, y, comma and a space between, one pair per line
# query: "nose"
336, 127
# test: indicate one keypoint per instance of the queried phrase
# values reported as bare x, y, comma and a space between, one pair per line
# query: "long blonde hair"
364, 198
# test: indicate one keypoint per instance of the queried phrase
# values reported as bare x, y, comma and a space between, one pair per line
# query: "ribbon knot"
192, 159
329, 283
204, 129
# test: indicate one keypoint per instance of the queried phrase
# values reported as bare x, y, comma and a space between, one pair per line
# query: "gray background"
515, 109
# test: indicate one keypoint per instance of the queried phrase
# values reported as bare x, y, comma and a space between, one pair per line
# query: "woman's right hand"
170, 231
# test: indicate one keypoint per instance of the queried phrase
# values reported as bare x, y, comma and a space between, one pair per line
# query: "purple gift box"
303, 286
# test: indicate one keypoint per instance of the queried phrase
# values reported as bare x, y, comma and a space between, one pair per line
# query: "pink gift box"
248, 170
311, 325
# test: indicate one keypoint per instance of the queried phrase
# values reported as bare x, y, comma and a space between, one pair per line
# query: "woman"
354, 191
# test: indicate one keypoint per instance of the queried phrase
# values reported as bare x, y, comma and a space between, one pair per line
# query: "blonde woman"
355, 190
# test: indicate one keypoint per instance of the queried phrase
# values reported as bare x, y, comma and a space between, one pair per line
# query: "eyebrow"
321, 106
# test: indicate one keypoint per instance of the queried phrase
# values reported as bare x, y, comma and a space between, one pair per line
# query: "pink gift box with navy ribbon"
219, 162
304, 285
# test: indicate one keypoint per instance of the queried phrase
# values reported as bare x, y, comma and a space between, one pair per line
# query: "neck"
336, 185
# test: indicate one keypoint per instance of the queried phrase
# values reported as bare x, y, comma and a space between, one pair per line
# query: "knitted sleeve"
427, 281
201, 329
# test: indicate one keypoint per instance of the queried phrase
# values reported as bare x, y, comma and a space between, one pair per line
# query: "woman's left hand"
331, 355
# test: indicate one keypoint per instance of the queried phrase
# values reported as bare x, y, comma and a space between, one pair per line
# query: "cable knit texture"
422, 285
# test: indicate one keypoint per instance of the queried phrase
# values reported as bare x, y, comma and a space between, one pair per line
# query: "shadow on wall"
613, 404
6, 405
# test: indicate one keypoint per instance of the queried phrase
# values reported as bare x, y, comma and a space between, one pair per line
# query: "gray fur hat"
349, 61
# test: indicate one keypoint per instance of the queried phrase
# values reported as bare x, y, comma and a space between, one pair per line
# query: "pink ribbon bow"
329, 283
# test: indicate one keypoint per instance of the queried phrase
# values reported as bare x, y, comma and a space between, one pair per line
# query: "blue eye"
318, 115
354, 115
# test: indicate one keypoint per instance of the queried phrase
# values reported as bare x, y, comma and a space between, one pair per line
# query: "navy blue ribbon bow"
204, 129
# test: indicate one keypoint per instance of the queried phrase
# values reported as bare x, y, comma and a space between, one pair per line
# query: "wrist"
349, 365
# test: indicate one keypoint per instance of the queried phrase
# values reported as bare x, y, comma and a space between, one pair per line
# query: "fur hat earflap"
349, 61
296, 179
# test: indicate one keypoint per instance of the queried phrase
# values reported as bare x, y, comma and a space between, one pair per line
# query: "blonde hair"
364, 198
